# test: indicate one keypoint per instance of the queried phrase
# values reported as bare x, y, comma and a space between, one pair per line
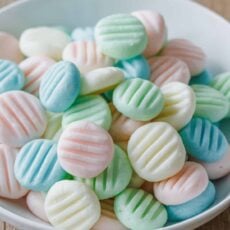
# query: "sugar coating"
34, 68
120, 36
72, 205
60, 86
82, 34
22, 118
11, 77
156, 151
180, 104
187, 184
9, 186
204, 78
43, 41
138, 99
155, 28
85, 149
168, 69
86, 56
137, 209
185, 50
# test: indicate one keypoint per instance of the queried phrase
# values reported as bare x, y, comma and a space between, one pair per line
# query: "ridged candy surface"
138, 99
82, 34
72, 205
156, 151
37, 167
137, 209
9, 186
22, 118
179, 104
89, 108
168, 69
121, 36
85, 149
204, 140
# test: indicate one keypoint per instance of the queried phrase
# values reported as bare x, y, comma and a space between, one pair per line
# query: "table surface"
221, 222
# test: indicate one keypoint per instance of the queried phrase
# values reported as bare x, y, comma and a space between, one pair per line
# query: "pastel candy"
168, 69
36, 166
101, 80
9, 48
188, 52
114, 179
135, 67
203, 140
22, 118
11, 77
35, 202
43, 41
180, 104
72, 205
82, 34
137, 209
34, 68
86, 56
9, 186
60, 86
210, 103
190, 182
89, 108
155, 28
203, 78
193, 207
85, 149
120, 36
156, 151
138, 99
136, 181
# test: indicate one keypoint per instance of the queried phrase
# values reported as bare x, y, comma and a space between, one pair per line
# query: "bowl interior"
184, 19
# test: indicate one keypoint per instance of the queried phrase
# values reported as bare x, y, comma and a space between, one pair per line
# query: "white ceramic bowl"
184, 19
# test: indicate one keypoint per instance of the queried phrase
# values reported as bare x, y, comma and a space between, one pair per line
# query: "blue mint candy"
60, 86
224, 126
192, 207
11, 77
37, 167
135, 67
204, 140
203, 78
82, 34
108, 96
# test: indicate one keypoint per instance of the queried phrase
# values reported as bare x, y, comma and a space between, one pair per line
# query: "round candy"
136, 181
210, 103
190, 182
60, 86
203, 140
82, 34
72, 205
113, 179
22, 118
185, 50
89, 108
180, 104
36, 166
120, 36
203, 78
35, 202
86, 56
138, 99
9, 48
168, 69
135, 67
156, 151
43, 41
11, 77
34, 68
85, 149
9, 186
193, 207
155, 28
101, 80
137, 209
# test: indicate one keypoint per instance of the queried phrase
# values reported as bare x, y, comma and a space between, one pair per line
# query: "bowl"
184, 19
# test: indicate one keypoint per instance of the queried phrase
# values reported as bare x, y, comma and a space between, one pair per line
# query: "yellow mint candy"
72, 205
156, 151
179, 105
